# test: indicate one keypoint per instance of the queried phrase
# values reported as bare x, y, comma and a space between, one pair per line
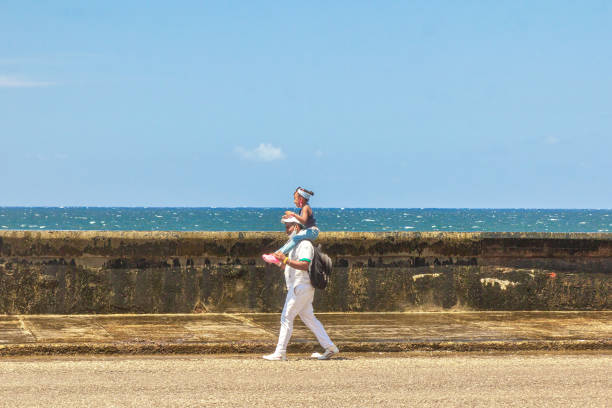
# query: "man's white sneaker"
329, 352
276, 357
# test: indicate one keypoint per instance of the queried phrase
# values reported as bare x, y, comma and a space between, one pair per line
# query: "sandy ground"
392, 379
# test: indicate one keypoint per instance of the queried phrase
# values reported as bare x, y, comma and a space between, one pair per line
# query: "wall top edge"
164, 235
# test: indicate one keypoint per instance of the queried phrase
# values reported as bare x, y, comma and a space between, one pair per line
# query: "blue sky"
370, 104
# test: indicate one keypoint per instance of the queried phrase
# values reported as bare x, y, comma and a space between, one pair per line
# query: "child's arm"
303, 216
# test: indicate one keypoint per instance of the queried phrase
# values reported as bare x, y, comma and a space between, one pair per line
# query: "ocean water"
328, 219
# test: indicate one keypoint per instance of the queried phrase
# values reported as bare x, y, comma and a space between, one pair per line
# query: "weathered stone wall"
68, 272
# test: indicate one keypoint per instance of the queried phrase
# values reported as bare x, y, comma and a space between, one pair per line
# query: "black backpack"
320, 268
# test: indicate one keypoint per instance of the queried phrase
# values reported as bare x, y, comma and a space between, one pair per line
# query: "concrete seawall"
67, 272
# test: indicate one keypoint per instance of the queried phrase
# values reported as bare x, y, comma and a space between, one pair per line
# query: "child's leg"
289, 245
310, 233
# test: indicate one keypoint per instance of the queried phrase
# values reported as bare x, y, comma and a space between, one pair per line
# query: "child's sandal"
269, 258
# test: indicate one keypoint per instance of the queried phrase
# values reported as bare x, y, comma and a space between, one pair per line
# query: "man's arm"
301, 265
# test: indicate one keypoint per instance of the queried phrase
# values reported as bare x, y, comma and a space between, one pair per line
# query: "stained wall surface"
69, 272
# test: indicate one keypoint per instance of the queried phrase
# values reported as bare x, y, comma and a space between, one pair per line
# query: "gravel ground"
394, 380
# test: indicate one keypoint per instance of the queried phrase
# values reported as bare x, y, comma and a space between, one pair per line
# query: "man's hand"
300, 265
281, 257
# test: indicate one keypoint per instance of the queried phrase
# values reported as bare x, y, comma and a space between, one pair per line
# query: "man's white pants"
299, 302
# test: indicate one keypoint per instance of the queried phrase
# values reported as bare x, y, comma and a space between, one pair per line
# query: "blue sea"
328, 219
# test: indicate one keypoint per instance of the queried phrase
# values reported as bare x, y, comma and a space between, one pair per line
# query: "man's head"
292, 225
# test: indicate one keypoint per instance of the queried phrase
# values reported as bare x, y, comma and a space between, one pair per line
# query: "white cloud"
264, 152
16, 61
12, 82
46, 156
552, 140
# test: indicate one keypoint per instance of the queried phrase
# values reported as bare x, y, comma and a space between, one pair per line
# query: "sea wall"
69, 272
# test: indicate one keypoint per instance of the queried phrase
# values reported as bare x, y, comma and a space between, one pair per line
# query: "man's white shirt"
294, 277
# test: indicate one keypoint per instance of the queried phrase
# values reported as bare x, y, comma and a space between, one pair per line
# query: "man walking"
300, 294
